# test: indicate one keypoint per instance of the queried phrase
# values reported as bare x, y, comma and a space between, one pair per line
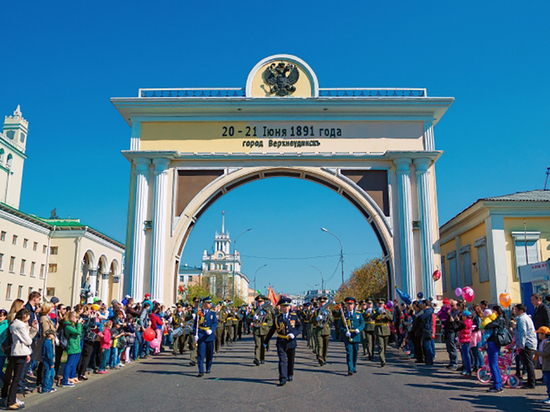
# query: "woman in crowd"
46, 323
88, 339
493, 348
3, 335
17, 305
73, 331
475, 343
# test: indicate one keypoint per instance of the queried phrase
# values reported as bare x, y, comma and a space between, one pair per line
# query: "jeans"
49, 373
492, 356
105, 355
429, 352
478, 357
2, 362
451, 347
18, 363
115, 357
465, 352
546, 377
70, 368
137, 345
527, 359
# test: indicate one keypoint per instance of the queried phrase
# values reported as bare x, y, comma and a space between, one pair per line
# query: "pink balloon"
155, 343
458, 292
468, 294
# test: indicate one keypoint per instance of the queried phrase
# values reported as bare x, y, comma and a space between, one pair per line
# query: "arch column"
406, 240
426, 225
104, 287
92, 273
140, 215
159, 228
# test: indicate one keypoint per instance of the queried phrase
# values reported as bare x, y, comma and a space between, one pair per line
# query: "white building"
222, 270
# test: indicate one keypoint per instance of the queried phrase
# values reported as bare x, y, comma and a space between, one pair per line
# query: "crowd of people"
37, 336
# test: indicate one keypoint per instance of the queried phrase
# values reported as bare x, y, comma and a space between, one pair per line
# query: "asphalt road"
168, 383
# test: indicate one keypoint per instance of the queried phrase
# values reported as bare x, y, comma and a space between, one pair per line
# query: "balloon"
505, 299
389, 305
149, 335
181, 288
458, 292
404, 296
420, 295
487, 312
155, 343
95, 307
468, 294
437, 275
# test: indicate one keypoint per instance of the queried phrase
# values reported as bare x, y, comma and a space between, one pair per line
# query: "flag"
272, 297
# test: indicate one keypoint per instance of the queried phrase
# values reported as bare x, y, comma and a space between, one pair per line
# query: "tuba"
323, 316
260, 315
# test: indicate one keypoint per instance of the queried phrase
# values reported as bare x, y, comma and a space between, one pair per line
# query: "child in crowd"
117, 333
464, 338
130, 338
48, 358
73, 332
543, 353
105, 346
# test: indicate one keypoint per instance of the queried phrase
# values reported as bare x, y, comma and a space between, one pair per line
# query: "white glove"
194, 315
255, 317
291, 335
209, 332
318, 317
357, 331
348, 334
196, 338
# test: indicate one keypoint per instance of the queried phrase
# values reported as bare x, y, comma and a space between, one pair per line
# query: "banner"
272, 297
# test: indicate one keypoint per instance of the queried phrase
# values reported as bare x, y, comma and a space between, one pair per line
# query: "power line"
307, 257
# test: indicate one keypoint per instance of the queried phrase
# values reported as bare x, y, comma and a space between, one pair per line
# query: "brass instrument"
323, 316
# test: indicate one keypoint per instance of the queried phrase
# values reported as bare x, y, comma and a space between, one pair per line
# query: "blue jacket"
207, 321
284, 328
48, 355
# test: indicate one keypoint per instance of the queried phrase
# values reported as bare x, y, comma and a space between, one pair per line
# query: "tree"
370, 280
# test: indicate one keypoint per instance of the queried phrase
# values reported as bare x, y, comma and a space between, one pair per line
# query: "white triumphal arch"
373, 146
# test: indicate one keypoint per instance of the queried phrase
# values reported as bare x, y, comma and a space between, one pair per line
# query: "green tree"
370, 280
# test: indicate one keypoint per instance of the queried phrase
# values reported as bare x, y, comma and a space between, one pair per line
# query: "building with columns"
55, 257
373, 146
483, 246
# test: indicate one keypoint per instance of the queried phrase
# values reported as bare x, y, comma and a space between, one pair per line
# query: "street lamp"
341, 250
322, 281
235, 258
261, 267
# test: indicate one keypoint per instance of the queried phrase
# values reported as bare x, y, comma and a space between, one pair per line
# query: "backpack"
8, 342
503, 337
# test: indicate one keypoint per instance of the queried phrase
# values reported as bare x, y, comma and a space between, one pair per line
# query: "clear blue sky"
63, 61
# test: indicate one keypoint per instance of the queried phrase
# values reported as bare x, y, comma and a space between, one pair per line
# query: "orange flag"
272, 297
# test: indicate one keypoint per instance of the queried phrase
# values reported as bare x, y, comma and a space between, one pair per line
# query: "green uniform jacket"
264, 328
222, 318
326, 329
382, 323
369, 320
72, 333
355, 323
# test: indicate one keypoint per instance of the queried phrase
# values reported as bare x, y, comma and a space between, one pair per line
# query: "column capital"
422, 164
403, 164
105, 276
92, 272
161, 164
116, 279
142, 164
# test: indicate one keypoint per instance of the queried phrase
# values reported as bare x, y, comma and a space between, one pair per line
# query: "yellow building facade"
483, 246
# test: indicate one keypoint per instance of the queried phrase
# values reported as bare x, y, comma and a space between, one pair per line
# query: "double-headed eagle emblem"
281, 78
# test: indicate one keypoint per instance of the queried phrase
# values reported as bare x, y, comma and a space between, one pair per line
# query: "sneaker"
103, 372
50, 391
19, 402
494, 390
68, 385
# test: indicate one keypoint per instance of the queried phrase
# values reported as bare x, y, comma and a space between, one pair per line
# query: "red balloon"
181, 288
149, 335
437, 275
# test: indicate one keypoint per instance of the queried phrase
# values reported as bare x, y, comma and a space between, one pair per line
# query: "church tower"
13, 141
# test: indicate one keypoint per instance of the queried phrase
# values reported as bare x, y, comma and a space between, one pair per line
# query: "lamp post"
341, 250
261, 267
235, 258
322, 281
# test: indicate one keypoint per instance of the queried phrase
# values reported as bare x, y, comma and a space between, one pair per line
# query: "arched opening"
113, 287
9, 160
310, 202
101, 287
88, 263
1, 155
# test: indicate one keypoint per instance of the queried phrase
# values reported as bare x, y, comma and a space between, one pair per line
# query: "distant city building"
222, 269
189, 275
315, 293
56, 257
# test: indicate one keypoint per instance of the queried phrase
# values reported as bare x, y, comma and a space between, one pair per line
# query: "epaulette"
293, 313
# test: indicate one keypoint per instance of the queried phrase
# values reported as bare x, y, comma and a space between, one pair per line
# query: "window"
526, 246
42, 271
30, 291
10, 134
22, 271
40, 291
451, 257
8, 291
52, 268
12, 264
25, 243
14, 240
53, 250
50, 292
33, 264
1, 155
1, 261
190, 278
20, 292
181, 278
22, 137
482, 266
3, 236
35, 246
44, 248
9, 161
465, 265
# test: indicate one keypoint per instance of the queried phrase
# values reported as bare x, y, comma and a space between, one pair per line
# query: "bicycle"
505, 361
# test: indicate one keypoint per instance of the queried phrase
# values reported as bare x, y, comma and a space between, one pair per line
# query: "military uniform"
177, 323
261, 329
288, 327
205, 324
368, 333
222, 316
305, 322
382, 319
322, 318
336, 315
188, 339
231, 324
242, 321
353, 322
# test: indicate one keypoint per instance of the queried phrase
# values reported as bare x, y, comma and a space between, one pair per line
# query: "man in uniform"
288, 327
305, 321
205, 324
312, 342
188, 337
351, 326
178, 325
336, 315
262, 320
242, 321
368, 332
231, 323
322, 318
221, 324
382, 318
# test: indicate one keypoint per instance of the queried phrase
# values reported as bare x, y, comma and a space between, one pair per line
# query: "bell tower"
13, 142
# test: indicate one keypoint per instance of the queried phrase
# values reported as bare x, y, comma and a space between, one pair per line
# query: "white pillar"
406, 242
104, 287
496, 256
159, 228
426, 225
140, 215
92, 273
